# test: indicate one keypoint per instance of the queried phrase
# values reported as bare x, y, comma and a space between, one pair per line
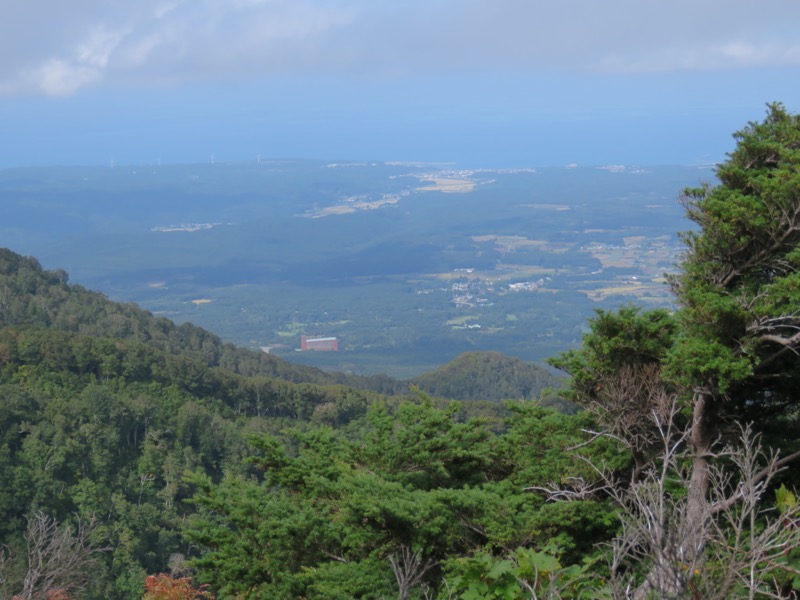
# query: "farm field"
408, 265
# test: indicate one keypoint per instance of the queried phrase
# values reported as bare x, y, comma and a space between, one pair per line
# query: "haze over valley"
415, 181
350, 299
407, 264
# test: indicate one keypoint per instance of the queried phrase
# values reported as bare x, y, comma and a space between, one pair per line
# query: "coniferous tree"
729, 358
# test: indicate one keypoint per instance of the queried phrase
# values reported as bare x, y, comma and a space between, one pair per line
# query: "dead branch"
409, 569
59, 558
575, 488
734, 548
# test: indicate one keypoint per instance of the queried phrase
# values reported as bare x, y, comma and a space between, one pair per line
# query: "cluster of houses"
528, 286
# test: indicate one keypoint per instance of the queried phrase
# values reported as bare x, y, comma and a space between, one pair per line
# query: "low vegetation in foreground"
140, 459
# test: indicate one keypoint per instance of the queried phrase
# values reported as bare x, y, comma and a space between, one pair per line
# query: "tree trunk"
682, 545
697, 513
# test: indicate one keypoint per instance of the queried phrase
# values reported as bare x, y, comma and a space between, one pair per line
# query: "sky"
479, 83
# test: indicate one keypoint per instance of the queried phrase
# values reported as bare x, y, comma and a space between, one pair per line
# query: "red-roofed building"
319, 344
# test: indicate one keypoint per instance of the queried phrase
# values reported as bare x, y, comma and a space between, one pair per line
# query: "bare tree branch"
733, 549
409, 569
59, 559
575, 488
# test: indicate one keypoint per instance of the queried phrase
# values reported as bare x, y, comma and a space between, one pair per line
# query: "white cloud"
162, 10
62, 78
704, 57
64, 75
53, 47
96, 49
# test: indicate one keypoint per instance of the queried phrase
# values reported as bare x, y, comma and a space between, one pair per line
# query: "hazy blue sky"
479, 82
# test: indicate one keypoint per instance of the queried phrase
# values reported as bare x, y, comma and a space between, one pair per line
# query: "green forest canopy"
155, 450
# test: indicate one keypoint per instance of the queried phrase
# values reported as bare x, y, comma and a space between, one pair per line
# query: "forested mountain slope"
121, 435
104, 412
136, 458
487, 376
33, 297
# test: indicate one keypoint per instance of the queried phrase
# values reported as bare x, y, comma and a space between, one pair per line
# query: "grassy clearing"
638, 290
447, 185
462, 320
